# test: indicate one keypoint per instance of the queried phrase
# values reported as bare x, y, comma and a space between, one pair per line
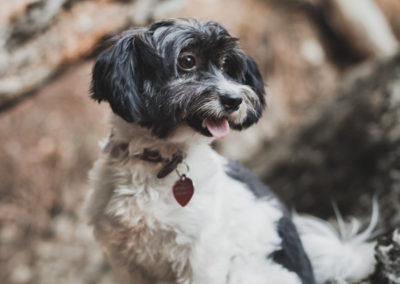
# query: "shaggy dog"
165, 207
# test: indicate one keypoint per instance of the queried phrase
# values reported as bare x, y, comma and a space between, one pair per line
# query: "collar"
155, 157
151, 156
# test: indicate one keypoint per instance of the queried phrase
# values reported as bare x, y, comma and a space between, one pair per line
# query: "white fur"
343, 256
224, 230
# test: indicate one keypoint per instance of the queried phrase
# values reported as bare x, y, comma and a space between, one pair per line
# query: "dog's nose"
230, 102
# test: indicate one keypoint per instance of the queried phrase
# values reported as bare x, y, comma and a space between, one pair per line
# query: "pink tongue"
218, 129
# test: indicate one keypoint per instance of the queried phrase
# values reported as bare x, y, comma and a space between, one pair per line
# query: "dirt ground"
49, 142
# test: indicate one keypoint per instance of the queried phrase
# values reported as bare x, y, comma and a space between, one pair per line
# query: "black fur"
120, 72
140, 78
292, 255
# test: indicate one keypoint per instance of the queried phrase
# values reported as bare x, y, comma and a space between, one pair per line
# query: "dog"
165, 207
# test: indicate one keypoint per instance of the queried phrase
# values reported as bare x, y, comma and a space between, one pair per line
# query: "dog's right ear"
119, 73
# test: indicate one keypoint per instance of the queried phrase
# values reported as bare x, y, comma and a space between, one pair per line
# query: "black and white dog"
165, 207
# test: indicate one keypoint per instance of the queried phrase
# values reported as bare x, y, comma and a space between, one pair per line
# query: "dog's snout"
230, 102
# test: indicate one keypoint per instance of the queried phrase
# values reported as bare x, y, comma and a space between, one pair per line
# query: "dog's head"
179, 72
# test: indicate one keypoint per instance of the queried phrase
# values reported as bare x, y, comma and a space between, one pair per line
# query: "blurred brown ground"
49, 142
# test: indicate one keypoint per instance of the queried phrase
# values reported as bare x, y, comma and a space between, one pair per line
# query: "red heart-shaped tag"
183, 190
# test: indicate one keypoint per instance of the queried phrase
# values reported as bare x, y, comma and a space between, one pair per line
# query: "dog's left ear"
119, 74
253, 78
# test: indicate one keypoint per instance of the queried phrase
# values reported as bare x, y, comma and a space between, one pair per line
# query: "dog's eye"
187, 62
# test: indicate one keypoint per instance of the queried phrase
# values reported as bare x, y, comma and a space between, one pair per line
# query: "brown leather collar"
155, 157
150, 156
169, 164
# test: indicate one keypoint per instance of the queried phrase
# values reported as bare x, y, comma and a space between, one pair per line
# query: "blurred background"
331, 130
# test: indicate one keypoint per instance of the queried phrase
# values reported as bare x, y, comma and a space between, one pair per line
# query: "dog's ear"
119, 73
253, 78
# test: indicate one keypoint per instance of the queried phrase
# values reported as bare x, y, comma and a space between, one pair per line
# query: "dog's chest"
150, 247
140, 233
